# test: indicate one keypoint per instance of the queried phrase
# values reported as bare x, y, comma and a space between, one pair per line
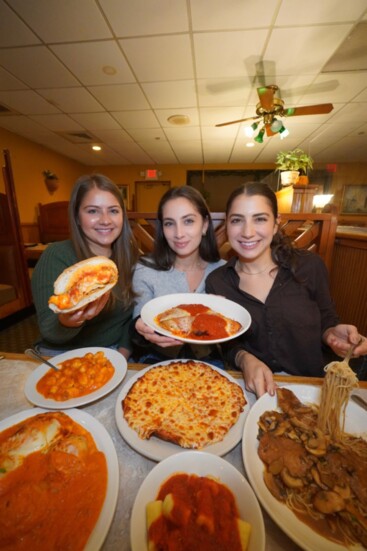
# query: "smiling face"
251, 226
183, 226
100, 217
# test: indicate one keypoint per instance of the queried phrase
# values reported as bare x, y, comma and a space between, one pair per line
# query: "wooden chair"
53, 221
315, 232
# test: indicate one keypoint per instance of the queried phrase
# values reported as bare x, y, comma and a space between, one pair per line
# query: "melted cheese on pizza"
198, 322
187, 403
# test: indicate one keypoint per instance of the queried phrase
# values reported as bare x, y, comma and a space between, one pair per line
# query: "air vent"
79, 137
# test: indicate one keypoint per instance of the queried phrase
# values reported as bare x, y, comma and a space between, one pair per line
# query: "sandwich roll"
83, 283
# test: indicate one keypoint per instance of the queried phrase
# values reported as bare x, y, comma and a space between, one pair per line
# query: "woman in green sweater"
98, 226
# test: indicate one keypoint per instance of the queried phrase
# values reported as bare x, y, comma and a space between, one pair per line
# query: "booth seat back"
315, 232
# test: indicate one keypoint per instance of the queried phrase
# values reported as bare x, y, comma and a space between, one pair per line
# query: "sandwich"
83, 283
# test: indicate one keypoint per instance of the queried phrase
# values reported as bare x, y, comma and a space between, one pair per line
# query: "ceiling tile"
140, 17
136, 119
13, 31
151, 58
120, 97
171, 94
26, 102
95, 62
21, 62
71, 100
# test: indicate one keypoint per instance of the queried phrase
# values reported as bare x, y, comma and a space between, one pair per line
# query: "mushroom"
289, 480
316, 444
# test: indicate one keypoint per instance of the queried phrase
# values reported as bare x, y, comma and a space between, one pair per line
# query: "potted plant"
51, 180
292, 165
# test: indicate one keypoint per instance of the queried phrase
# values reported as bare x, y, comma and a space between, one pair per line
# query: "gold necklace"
240, 267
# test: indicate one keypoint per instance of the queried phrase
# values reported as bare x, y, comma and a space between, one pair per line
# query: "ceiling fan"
271, 107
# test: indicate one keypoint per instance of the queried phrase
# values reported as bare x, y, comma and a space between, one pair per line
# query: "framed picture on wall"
125, 193
354, 199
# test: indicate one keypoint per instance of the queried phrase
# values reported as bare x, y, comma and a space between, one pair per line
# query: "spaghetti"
338, 383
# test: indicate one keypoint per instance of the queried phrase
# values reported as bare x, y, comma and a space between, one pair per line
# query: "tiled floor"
20, 335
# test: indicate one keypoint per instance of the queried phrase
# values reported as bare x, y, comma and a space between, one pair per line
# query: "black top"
286, 331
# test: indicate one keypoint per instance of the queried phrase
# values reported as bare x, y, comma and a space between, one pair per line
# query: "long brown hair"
283, 252
124, 248
162, 256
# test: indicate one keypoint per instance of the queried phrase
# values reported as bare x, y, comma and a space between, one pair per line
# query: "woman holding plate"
185, 252
99, 227
286, 291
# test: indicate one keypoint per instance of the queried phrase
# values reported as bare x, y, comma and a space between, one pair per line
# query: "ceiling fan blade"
266, 96
239, 120
320, 109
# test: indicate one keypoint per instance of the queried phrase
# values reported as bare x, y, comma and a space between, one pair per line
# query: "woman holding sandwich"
99, 228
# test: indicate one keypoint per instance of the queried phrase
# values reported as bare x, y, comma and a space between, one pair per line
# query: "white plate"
104, 444
201, 464
158, 449
299, 532
217, 303
117, 360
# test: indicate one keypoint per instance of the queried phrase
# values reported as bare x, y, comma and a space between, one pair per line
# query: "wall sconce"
51, 181
319, 201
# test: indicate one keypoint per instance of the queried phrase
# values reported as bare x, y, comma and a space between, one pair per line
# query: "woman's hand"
150, 335
341, 337
91, 310
257, 376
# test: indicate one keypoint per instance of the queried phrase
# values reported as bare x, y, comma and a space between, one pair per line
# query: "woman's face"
183, 226
100, 217
251, 226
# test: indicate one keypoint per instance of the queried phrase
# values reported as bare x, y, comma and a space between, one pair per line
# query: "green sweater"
109, 328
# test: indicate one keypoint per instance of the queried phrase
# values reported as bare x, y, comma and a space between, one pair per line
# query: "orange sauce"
76, 377
52, 500
204, 516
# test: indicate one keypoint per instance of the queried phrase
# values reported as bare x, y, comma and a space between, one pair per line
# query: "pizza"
196, 321
185, 402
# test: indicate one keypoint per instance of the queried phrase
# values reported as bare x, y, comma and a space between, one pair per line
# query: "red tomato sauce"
194, 309
209, 326
52, 500
203, 517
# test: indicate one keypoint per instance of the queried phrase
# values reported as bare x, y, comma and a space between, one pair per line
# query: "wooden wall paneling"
348, 281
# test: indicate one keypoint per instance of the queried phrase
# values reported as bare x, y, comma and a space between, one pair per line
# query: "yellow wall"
30, 159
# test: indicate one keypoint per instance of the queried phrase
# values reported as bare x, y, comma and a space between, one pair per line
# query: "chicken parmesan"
53, 482
187, 403
198, 322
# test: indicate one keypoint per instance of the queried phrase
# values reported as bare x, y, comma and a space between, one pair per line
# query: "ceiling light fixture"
260, 137
283, 132
179, 120
96, 147
276, 125
250, 130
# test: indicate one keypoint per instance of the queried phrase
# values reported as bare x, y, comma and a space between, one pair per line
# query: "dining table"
133, 466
